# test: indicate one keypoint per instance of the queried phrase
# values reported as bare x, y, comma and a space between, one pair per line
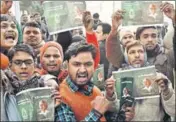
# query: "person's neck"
4, 50
154, 52
56, 73
89, 31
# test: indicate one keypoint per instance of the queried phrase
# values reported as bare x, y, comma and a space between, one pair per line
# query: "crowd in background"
31, 58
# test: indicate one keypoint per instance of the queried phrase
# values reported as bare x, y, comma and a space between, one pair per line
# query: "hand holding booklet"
139, 83
36, 104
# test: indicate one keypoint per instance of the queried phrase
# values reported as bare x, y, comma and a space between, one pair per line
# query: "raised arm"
114, 53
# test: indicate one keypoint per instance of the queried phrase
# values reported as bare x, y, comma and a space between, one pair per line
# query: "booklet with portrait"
142, 13
139, 83
98, 77
36, 104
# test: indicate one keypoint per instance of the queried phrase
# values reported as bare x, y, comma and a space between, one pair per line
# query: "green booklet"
36, 104
63, 15
142, 13
138, 82
98, 77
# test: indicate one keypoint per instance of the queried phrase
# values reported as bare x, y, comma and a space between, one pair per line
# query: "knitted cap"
124, 32
51, 44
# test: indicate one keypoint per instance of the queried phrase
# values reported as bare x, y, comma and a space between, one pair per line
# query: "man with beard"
149, 38
32, 35
149, 109
84, 100
9, 33
155, 53
51, 59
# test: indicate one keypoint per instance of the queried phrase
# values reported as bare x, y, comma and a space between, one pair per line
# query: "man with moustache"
148, 36
83, 100
9, 33
152, 109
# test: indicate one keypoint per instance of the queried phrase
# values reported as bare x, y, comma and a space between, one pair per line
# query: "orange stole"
79, 103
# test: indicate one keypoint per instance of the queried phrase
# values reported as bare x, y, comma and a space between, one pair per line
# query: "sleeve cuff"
93, 115
168, 95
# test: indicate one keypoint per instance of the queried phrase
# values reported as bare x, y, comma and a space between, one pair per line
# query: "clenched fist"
87, 20
101, 104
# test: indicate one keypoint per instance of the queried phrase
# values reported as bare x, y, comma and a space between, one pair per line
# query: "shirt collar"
87, 89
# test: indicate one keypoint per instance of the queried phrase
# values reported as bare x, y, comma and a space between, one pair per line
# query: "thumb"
92, 102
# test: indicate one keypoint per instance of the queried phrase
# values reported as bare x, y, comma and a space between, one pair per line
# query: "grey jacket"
9, 111
163, 62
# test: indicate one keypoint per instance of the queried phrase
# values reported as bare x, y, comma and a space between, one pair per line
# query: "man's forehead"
149, 31
136, 47
31, 28
7, 22
82, 58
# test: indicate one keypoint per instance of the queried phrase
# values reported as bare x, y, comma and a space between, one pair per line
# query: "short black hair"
78, 38
141, 29
106, 28
21, 47
5, 17
95, 15
32, 24
78, 47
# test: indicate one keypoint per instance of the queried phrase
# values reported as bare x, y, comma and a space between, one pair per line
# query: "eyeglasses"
20, 62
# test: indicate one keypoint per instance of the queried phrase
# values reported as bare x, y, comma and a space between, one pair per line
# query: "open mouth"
82, 77
10, 37
24, 74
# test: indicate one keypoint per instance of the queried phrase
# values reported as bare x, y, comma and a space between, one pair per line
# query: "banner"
142, 13
63, 15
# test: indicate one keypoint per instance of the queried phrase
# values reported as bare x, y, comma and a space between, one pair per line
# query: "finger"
163, 5
55, 94
57, 97
92, 103
128, 117
160, 82
109, 87
110, 83
162, 85
131, 109
129, 114
166, 6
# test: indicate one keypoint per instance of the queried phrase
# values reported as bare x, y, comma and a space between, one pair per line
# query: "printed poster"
142, 13
142, 81
98, 77
36, 104
63, 15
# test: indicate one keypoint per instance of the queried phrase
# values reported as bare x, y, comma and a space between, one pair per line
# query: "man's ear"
105, 35
65, 64
10, 64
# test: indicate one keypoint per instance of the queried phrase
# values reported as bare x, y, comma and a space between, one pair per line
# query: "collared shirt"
64, 113
86, 90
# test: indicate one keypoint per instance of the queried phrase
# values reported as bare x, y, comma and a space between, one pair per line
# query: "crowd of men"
32, 58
